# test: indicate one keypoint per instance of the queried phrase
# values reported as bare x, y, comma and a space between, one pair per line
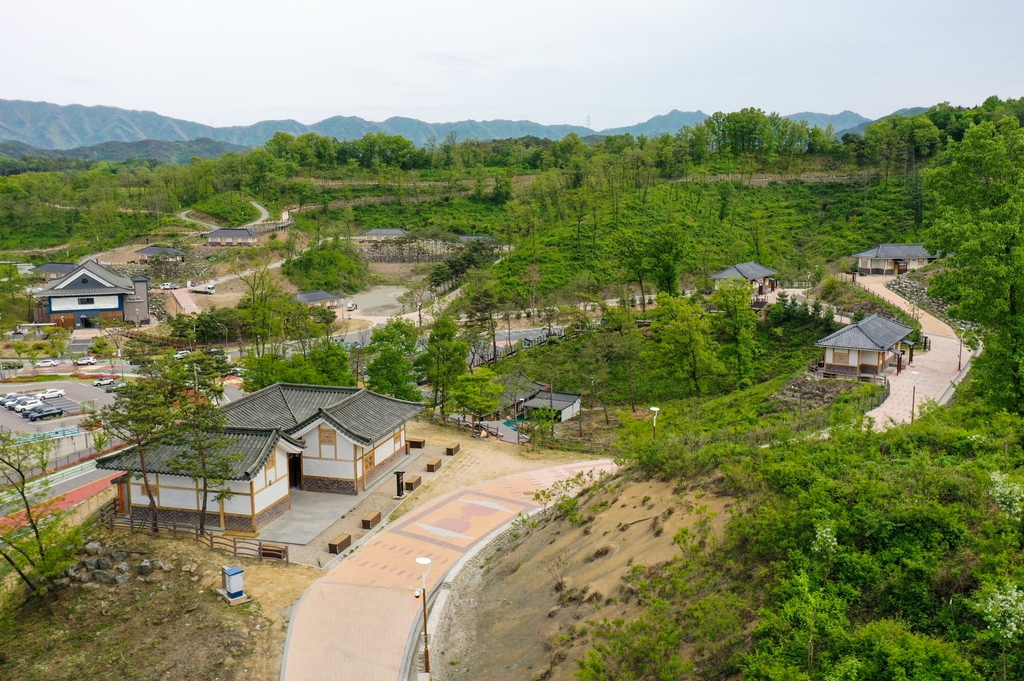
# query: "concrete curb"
441, 594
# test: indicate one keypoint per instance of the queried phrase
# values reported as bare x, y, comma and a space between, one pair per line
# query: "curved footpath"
355, 622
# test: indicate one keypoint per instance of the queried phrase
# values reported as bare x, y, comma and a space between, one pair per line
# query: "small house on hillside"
383, 234
318, 299
891, 259
307, 437
864, 348
54, 270
759, 276
235, 237
90, 292
470, 238
165, 253
565, 405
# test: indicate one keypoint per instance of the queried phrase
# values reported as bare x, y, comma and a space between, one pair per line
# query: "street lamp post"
960, 350
426, 641
654, 423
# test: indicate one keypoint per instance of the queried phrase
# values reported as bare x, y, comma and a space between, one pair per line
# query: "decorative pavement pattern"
354, 622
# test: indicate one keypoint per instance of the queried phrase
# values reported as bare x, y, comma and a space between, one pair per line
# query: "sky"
227, 62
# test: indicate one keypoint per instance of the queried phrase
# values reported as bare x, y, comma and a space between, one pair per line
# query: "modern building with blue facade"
90, 293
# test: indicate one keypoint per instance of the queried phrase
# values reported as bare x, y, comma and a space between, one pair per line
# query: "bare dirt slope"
512, 621
169, 625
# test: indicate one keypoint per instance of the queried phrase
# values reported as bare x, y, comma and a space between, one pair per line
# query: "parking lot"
75, 395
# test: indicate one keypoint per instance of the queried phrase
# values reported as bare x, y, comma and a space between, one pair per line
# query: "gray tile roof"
367, 417
745, 270
466, 238
56, 267
225, 232
363, 415
870, 333
896, 252
118, 284
558, 401
315, 296
159, 250
255, 446
386, 231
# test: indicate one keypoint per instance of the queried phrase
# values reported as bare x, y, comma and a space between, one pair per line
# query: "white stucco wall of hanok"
70, 303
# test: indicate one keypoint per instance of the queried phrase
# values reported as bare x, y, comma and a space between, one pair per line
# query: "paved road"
355, 621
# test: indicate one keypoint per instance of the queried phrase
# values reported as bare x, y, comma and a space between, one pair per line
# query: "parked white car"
100, 382
49, 363
182, 354
51, 393
82, 361
29, 404
168, 286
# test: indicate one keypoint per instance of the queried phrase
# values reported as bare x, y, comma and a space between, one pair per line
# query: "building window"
841, 357
86, 301
369, 462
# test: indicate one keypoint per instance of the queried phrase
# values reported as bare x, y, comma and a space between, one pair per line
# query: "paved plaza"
355, 622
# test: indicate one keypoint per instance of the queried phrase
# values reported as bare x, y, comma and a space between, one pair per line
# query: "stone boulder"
123, 568
144, 568
70, 570
93, 548
104, 563
105, 577
90, 563
120, 556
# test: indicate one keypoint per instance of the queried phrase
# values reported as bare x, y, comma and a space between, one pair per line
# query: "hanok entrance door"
295, 470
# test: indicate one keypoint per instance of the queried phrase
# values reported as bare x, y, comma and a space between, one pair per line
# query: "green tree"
36, 541
198, 426
443, 361
478, 393
735, 324
980, 230
683, 344
391, 372
138, 414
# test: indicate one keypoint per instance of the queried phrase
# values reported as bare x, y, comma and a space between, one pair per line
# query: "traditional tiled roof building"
313, 438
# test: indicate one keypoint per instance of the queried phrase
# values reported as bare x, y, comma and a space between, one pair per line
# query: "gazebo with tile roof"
863, 348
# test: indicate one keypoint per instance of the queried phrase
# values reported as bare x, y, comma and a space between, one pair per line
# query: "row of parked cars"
33, 406
81, 361
111, 385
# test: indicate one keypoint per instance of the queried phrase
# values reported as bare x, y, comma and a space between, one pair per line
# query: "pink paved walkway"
354, 622
929, 324
931, 374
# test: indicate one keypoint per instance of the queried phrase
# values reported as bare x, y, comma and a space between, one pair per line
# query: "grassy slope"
790, 226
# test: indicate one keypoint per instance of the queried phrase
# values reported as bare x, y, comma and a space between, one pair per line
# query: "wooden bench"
416, 442
452, 449
340, 544
412, 482
433, 465
271, 551
371, 520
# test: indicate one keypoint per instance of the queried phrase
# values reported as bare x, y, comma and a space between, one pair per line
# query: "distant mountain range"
161, 150
88, 129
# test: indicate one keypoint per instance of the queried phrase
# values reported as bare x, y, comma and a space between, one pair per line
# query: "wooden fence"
236, 546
